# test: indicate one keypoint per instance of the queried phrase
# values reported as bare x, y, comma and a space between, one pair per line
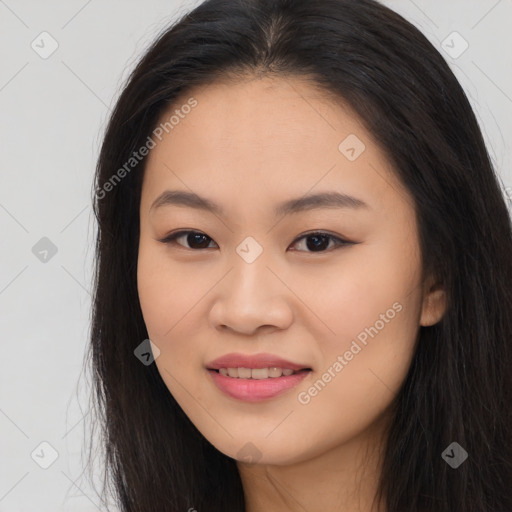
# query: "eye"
195, 239
316, 241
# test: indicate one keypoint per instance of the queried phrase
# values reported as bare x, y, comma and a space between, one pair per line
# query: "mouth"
259, 386
254, 378
272, 372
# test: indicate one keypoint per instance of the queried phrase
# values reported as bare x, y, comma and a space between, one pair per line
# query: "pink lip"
255, 390
253, 361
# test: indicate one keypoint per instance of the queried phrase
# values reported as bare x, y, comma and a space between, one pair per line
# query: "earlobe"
434, 306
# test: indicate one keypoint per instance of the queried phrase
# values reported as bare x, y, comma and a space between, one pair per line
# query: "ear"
434, 304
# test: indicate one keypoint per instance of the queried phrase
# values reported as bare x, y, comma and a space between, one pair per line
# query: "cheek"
170, 299
167, 319
166, 293
156, 305
372, 309
377, 291
362, 370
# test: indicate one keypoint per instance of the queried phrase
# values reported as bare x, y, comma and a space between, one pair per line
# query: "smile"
260, 385
256, 373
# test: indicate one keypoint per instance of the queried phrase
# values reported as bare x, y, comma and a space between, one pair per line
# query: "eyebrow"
300, 204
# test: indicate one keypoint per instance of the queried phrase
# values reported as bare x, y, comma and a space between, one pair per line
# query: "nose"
251, 298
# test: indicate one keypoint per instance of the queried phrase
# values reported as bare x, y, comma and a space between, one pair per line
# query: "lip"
256, 390
263, 360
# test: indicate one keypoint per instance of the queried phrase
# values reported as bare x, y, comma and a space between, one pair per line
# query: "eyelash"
171, 240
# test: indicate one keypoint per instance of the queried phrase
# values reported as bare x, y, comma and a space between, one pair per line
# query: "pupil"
315, 245
195, 237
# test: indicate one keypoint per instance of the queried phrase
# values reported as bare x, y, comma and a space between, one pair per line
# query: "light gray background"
53, 113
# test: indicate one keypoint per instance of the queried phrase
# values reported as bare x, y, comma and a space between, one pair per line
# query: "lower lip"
255, 390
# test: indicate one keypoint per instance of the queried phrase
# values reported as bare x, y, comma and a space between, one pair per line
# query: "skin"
249, 145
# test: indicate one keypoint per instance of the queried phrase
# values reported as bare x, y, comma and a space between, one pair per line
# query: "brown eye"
194, 239
319, 242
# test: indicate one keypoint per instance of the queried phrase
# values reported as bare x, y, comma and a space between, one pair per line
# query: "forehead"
266, 137
273, 112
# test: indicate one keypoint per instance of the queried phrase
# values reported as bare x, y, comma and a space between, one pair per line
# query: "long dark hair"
459, 386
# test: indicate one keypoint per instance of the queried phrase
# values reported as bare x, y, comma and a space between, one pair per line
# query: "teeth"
256, 373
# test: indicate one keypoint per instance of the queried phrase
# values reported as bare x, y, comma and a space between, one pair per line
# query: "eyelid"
339, 241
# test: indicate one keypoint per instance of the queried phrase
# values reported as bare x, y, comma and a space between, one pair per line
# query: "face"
304, 250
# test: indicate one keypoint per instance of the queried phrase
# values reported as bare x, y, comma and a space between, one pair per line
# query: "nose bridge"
251, 277
251, 296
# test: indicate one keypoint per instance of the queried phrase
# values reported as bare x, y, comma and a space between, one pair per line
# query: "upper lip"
253, 361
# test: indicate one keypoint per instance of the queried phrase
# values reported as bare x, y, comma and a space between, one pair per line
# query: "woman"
297, 208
